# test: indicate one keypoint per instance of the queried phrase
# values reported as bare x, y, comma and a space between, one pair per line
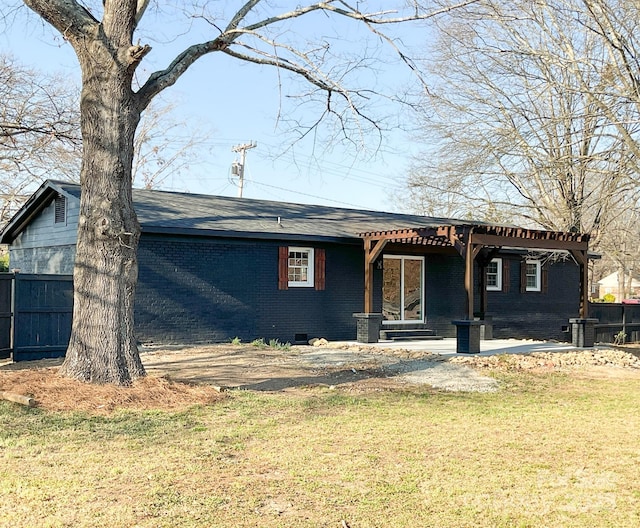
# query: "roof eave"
193, 231
31, 208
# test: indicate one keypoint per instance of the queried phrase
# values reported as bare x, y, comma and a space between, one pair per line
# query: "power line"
259, 184
330, 168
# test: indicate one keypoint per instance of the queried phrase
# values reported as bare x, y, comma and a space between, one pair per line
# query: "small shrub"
609, 298
4, 263
619, 338
274, 343
236, 341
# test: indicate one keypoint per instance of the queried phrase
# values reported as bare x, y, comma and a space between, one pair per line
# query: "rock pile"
393, 352
536, 360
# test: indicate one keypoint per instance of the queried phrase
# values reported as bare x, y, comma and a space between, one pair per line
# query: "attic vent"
60, 216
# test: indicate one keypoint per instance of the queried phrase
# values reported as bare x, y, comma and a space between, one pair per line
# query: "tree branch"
161, 80
141, 7
69, 17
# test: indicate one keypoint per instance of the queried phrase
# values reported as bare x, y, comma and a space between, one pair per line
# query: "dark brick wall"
446, 298
197, 289
194, 289
536, 315
531, 315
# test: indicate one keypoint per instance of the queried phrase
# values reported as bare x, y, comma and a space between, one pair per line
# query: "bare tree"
164, 147
39, 131
616, 24
40, 136
521, 120
620, 249
102, 346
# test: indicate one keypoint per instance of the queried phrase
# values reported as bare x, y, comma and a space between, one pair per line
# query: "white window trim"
309, 283
538, 286
498, 285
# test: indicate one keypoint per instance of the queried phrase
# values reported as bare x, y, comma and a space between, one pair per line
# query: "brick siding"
212, 290
198, 289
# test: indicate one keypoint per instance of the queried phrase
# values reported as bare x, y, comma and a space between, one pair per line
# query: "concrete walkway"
447, 346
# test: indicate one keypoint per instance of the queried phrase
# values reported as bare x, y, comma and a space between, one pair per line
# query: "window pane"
298, 266
391, 289
532, 276
412, 289
492, 274
493, 278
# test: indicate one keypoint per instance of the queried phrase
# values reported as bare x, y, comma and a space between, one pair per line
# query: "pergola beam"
529, 243
469, 240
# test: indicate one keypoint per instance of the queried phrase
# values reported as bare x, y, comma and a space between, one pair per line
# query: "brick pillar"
368, 330
583, 332
467, 336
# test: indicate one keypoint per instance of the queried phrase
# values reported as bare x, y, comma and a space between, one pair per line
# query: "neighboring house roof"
182, 213
612, 281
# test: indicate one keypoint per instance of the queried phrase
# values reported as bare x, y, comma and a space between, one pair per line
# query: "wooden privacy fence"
35, 315
614, 318
6, 313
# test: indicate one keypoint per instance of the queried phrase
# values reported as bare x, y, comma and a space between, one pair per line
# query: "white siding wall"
44, 246
42, 231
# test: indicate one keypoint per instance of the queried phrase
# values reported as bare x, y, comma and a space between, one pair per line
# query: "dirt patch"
180, 378
247, 368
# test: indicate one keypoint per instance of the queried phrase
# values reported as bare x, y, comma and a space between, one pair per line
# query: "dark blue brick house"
213, 268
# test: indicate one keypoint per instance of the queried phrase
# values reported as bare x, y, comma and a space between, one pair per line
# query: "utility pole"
237, 168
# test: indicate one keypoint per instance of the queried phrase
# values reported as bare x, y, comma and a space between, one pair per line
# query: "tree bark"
102, 348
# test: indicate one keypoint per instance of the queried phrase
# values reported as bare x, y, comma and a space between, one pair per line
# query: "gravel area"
406, 367
469, 373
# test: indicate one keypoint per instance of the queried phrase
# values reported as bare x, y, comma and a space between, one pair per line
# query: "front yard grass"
547, 450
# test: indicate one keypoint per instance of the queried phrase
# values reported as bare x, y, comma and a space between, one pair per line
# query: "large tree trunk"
103, 348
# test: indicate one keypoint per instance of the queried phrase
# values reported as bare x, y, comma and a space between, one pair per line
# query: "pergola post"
468, 277
368, 323
372, 250
582, 260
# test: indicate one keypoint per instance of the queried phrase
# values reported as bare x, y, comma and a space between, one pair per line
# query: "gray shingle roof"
183, 213
161, 210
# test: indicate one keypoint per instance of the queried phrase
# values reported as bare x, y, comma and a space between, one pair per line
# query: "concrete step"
409, 335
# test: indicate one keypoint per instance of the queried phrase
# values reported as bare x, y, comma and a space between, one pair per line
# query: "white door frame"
402, 259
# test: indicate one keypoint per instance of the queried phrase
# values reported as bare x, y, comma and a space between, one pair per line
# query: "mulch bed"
53, 392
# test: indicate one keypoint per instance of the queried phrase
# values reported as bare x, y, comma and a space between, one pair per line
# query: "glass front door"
402, 290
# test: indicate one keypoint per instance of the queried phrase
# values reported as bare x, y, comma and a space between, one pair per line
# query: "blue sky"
241, 102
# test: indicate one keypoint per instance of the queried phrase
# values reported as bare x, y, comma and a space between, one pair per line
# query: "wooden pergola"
477, 243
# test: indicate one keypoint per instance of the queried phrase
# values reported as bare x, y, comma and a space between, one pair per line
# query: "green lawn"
547, 450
